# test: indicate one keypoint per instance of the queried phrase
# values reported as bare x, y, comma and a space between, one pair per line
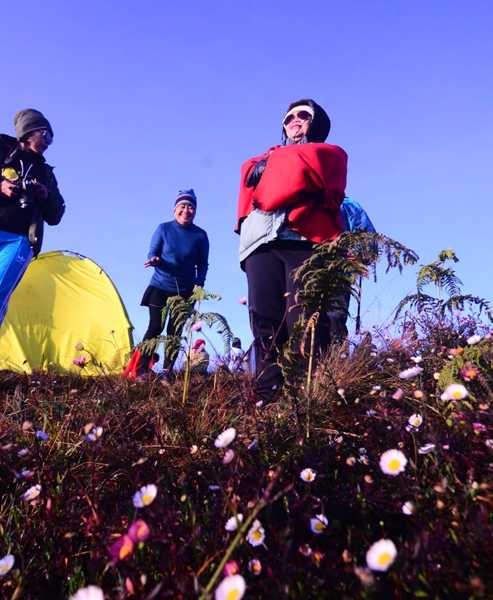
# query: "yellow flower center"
384, 559
394, 464
3, 569
233, 594
256, 535
456, 395
146, 499
319, 526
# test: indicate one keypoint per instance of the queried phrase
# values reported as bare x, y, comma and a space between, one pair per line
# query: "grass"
61, 539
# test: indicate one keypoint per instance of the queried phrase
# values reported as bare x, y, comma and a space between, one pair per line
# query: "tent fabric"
65, 308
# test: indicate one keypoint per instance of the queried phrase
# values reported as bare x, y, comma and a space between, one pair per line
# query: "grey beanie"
186, 196
29, 120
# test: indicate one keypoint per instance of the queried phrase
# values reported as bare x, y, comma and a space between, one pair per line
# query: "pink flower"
122, 548
228, 456
398, 394
80, 361
197, 326
469, 372
243, 300
255, 566
231, 568
478, 427
139, 531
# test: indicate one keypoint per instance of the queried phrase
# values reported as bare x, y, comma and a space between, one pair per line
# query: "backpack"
356, 218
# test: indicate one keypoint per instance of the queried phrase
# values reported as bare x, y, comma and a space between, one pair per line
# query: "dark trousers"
274, 310
155, 328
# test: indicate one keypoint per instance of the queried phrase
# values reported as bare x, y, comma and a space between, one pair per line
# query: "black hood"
319, 127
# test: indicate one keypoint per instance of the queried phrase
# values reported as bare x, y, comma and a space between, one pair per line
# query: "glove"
256, 173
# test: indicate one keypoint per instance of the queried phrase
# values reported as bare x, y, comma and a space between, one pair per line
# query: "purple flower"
478, 427
41, 435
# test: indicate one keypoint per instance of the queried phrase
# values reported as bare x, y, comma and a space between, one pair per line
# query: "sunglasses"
46, 135
303, 115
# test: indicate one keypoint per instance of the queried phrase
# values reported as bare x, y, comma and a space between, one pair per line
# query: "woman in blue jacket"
179, 254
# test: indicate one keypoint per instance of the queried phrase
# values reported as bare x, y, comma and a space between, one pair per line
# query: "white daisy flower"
474, 339
91, 592
145, 495
426, 449
393, 462
410, 373
408, 508
455, 391
6, 563
415, 420
381, 555
416, 359
256, 534
308, 475
318, 523
234, 522
230, 588
225, 438
32, 493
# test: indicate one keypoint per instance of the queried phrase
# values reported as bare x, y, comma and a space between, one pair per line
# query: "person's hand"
8, 188
151, 262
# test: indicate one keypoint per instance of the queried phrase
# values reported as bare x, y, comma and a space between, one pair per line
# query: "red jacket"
308, 180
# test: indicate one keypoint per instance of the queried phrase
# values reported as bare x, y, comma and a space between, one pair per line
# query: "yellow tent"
65, 308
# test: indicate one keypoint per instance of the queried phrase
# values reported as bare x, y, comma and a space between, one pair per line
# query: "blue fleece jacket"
184, 253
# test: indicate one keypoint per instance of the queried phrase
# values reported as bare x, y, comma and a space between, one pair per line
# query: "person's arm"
50, 200
156, 249
203, 261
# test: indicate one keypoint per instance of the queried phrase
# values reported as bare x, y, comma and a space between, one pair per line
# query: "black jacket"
29, 220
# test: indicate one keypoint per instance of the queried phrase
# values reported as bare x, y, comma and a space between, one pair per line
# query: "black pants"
155, 328
273, 309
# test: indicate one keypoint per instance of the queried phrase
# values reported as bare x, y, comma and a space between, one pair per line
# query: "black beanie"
29, 120
320, 125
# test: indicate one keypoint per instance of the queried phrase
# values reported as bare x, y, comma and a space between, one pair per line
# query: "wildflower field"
378, 484
370, 476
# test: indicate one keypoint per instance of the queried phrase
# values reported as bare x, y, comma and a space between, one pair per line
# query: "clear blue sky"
148, 97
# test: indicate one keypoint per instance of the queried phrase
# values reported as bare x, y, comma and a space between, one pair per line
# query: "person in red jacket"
289, 201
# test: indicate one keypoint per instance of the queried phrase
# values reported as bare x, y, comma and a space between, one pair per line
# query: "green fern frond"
459, 302
214, 319
442, 277
419, 302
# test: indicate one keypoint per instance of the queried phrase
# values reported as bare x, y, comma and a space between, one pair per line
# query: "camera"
26, 193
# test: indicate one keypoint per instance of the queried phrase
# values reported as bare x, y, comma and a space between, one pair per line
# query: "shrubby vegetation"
139, 483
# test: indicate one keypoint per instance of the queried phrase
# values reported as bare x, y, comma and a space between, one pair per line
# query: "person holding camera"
29, 196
